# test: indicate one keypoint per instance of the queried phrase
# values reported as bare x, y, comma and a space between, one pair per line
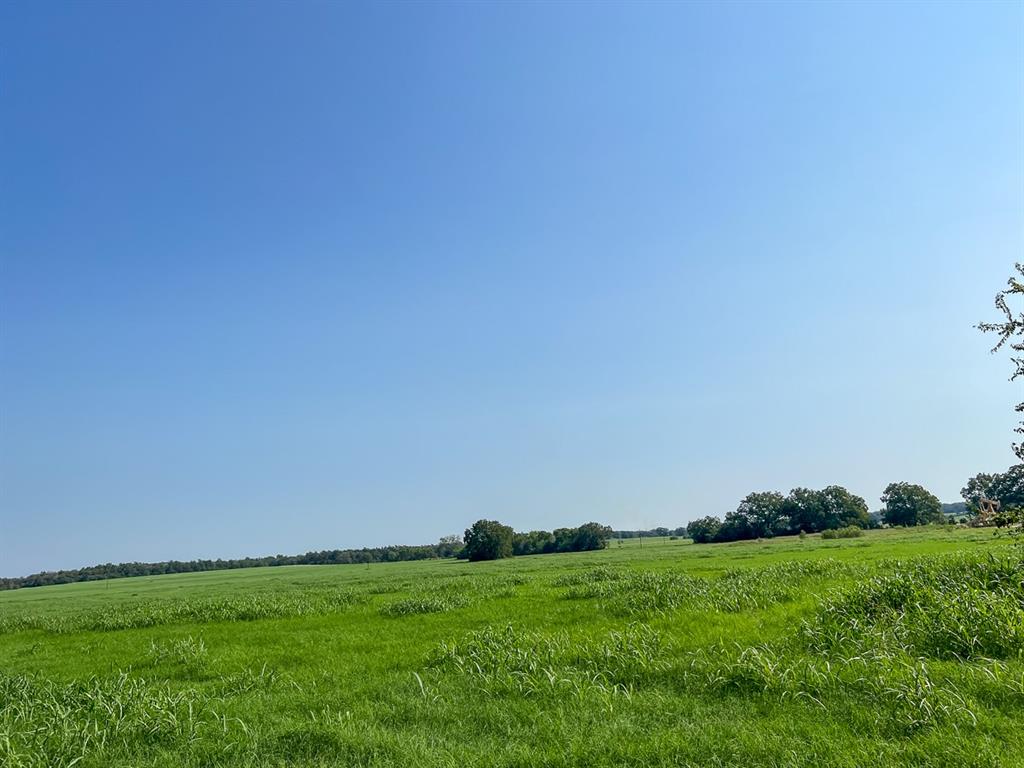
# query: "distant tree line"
491, 540
485, 540
768, 514
449, 546
652, 533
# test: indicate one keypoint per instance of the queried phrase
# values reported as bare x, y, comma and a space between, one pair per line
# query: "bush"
849, 532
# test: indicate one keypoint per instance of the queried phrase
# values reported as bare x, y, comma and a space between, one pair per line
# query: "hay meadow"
899, 648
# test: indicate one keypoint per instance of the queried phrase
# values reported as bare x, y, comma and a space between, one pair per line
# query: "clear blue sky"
280, 277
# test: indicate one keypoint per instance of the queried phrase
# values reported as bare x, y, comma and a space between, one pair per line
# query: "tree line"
652, 533
492, 540
768, 514
759, 515
449, 546
478, 546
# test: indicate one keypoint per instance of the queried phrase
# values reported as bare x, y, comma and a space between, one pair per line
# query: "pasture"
899, 648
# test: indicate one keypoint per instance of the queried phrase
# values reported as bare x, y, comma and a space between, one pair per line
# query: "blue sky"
280, 277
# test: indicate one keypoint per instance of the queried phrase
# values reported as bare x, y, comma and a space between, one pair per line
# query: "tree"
488, 540
1011, 330
704, 530
909, 504
978, 486
735, 527
591, 536
843, 509
563, 539
763, 513
533, 543
805, 510
449, 546
1008, 488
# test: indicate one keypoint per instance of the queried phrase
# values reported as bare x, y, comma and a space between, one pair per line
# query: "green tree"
533, 543
488, 540
978, 486
910, 504
704, 529
1008, 488
764, 513
843, 509
805, 510
735, 527
591, 536
563, 539
1011, 331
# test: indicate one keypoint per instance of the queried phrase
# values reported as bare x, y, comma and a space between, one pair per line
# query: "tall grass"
195, 610
46, 724
649, 593
949, 607
502, 660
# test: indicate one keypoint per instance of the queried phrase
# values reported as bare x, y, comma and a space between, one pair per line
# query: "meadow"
898, 648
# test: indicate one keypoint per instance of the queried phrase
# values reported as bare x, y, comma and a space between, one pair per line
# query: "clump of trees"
768, 514
487, 540
1005, 488
910, 504
490, 540
484, 540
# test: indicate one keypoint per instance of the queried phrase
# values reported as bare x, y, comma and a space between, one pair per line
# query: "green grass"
899, 648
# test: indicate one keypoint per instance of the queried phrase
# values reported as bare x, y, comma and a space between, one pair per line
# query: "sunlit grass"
897, 648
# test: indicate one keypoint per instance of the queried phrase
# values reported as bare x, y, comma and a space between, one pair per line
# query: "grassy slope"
340, 689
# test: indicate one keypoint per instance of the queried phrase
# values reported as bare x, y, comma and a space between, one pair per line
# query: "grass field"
900, 648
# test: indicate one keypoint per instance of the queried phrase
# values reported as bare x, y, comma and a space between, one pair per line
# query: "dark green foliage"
833, 507
533, 543
587, 537
1007, 488
910, 504
590, 536
704, 529
488, 540
764, 515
